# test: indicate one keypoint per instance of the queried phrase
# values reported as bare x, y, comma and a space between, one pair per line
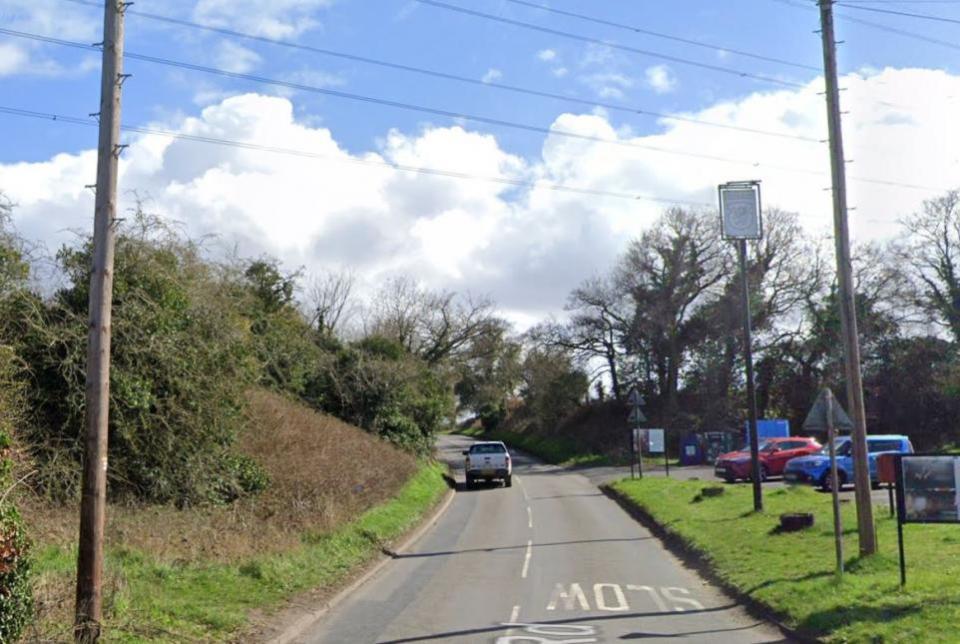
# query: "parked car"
815, 469
775, 453
488, 461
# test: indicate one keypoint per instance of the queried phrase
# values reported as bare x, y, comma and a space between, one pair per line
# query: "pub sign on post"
740, 216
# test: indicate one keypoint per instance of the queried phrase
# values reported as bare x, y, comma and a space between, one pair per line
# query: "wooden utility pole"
89, 604
848, 312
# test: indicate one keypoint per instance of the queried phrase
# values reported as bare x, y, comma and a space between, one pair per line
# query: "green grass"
793, 573
552, 449
165, 602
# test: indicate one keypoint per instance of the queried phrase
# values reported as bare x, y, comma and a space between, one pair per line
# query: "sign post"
740, 218
827, 415
636, 418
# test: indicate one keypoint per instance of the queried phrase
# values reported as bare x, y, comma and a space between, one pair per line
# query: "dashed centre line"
529, 517
526, 560
514, 616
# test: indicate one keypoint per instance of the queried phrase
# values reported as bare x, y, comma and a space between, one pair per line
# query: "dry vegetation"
323, 472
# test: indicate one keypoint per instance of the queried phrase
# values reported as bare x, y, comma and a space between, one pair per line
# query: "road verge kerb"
694, 559
299, 626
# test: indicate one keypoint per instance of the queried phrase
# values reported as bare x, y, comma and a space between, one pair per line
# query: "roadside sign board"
634, 398
930, 489
638, 438
655, 441
740, 210
817, 417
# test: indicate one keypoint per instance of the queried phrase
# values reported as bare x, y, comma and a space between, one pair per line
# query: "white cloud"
560, 72
608, 84
660, 79
525, 247
13, 59
236, 58
492, 75
546, 55
47, 18
274, 19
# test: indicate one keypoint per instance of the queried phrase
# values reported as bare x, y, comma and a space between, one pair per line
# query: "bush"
182, 362
16, 601
377, 385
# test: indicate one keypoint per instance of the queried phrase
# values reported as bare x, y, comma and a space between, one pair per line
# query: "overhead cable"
399, 167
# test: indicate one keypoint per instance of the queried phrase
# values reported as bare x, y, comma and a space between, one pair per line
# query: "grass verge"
792, 574
149, 599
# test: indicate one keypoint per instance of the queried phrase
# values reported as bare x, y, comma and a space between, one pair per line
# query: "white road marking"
526, 560
653, 595
575, 594
514, 616
620, 600
612, 598
583, 634
523, 489
671, 594
529, 517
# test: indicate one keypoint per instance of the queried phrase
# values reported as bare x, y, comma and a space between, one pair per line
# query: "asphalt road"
549, 560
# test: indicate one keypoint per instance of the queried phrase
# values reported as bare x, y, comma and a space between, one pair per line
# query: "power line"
447, 113
908, 14
381, 101
656, 34
401, 105
399, 167
878, 26
448, 76
612, 45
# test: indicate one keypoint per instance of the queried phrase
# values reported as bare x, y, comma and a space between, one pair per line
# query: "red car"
774, 454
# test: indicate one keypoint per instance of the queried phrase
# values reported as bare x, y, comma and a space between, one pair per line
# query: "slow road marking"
613, 599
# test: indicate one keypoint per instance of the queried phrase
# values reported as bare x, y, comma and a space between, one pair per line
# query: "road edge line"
692, 558
297, 628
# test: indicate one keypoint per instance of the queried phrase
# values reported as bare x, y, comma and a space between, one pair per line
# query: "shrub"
16, 601
182, 361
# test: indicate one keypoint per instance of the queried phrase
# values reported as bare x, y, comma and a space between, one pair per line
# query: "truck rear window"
488, 449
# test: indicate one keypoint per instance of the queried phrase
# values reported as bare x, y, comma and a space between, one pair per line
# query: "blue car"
815, 469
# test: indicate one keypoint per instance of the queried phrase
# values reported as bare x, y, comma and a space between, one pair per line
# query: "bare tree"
434, 325
675, 267
599, 320
933, 253
330, 299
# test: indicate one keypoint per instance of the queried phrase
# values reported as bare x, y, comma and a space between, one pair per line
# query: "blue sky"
526, 247
420, 35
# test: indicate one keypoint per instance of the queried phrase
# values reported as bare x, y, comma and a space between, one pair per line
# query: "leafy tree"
552, 386
376, 384
488, 375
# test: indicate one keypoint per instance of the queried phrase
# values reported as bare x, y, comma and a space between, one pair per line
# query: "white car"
488, 461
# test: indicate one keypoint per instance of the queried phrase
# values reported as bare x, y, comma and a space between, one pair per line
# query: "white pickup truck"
488, 461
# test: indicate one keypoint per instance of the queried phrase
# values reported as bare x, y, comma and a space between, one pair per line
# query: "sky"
595, 168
